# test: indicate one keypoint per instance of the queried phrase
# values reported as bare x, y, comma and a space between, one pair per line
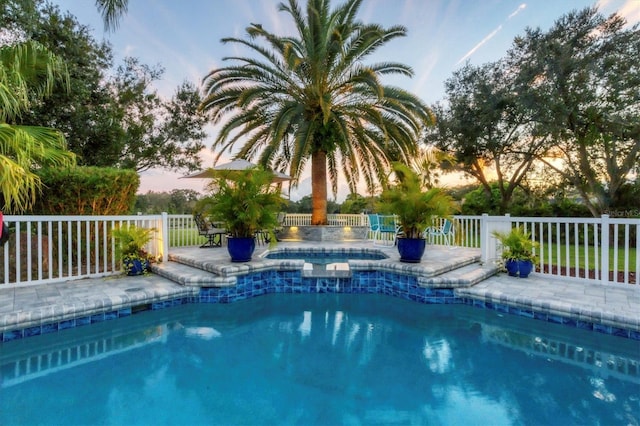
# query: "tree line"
471, 200
556, 119
560, 110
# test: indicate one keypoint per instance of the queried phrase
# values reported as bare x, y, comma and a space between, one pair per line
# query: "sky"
442, 35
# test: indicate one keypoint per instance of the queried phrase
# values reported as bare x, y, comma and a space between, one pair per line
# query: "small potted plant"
517, 251
415, 209
130, 248
245, 203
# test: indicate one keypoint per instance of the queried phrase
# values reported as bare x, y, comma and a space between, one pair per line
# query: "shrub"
87, 191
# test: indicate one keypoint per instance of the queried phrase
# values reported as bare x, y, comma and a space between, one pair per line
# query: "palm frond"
112, 11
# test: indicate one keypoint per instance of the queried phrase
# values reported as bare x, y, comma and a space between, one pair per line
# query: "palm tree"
428, 164
112, 11
310, 96
28, 71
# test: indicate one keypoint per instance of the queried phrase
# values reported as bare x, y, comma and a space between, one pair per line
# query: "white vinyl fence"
58, 248
601, 249
47, 249
304, 219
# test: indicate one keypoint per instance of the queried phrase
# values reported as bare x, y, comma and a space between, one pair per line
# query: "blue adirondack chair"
445, 232
374, 226
388, 232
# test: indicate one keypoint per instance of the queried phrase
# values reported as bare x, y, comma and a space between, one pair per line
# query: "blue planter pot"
519, 268
512, 267
524, 268
411, 249
136, 266
240, 249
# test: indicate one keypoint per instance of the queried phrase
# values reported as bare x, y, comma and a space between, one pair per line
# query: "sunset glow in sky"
184, 38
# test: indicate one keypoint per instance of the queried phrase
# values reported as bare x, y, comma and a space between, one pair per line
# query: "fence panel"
45, 249
597, 249
466, 231
183, 231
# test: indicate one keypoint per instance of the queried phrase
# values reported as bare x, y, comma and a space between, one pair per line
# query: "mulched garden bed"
572, 272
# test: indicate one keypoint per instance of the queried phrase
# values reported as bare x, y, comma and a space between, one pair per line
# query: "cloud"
129, 50
425, 68
491, 34
479, 45
630, 10
518, 10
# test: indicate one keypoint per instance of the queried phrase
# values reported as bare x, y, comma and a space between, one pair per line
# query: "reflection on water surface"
321, 359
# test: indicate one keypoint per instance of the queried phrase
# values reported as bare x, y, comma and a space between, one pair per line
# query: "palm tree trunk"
319, 188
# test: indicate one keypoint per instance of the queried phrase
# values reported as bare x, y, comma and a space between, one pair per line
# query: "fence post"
604, 249
489, 243
165, 237
484, 239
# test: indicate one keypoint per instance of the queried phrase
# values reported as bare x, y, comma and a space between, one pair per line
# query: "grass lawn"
582, 252
184, 237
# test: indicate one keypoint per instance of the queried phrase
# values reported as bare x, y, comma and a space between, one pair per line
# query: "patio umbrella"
235, 165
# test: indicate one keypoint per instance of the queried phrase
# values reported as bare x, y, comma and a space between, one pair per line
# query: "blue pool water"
327, 359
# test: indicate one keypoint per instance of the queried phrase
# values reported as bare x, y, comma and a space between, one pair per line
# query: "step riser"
190, 276
187, 271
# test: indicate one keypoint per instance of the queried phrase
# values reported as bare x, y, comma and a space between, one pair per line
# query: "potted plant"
415, 210
130, 243
517, 251
245, 203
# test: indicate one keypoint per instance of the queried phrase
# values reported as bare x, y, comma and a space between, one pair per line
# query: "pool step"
190, 276
212, 269
465, 276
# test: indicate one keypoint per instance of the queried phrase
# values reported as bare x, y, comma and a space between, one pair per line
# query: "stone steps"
465, 276
198, 273
190, 276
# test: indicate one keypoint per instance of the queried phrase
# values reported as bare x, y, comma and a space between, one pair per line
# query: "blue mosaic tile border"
293, 282
325, 254
362, 282
37, 330
555, 319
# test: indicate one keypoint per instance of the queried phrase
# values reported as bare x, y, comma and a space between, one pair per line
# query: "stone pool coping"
81, 302
612, 309
434, 264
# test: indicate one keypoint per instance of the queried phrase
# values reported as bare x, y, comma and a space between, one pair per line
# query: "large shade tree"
110, 117
487, 130
567, 97
581, 80
28, 72
310, 96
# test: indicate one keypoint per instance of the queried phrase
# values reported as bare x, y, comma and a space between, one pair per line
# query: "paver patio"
611, 305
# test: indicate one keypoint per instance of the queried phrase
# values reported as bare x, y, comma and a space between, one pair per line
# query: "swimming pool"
325, 262
325, 256
321, 359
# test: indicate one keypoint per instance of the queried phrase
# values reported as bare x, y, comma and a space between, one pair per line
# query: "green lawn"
591, 251
181, 237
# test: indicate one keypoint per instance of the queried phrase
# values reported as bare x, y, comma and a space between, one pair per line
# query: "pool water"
330, 359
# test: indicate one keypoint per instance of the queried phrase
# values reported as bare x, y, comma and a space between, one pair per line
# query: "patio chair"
211, 233
262, 237
444, 232
388, 231
282, 216
374, 226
